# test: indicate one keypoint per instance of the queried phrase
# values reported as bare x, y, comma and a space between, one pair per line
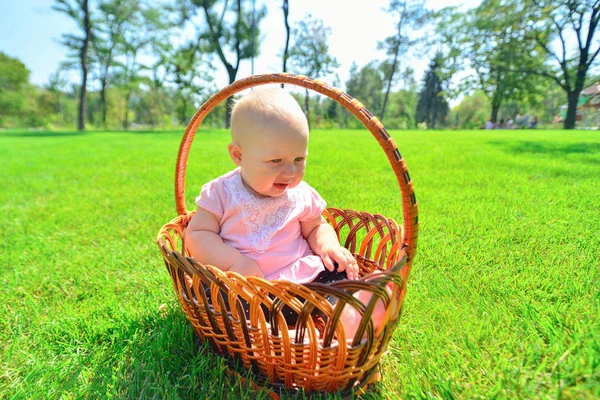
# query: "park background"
504, 297
427, 64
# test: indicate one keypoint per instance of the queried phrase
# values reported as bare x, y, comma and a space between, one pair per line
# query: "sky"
30, 29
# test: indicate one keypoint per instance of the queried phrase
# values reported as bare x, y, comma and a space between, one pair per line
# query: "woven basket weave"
315, 354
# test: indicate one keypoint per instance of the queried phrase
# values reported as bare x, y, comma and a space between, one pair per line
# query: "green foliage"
190, 70
409, 16
14, 79
227, 28
226, 31
13, 74
310, 52
309, 55
471, 112
402, 105
490, 40
367, 85
109, 42
505, 41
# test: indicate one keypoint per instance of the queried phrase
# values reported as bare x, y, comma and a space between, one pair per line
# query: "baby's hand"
246, 266
344, 259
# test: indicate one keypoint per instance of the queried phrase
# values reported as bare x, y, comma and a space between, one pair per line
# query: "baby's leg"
351, 318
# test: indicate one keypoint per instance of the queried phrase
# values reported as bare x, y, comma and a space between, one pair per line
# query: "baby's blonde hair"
264, 104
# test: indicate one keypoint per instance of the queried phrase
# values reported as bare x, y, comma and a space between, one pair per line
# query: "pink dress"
266, 229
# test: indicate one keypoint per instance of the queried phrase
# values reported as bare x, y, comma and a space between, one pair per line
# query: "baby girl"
262, 219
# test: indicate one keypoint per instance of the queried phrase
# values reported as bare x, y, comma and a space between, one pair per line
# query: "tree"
432, 106
79, 11
14, 78
13, 74
140, 30
366, 85
471, 112
162, 49
310, 52
411, 15
228, 32
111, 24
57, 84
402, 105
490, 41
183, 65
552, 21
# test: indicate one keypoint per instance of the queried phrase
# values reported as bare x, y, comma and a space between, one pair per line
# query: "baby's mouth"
281, 186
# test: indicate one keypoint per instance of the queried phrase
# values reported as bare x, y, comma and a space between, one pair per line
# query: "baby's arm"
206, 246
323, 241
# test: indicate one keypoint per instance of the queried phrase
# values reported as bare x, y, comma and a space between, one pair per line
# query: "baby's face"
274, 157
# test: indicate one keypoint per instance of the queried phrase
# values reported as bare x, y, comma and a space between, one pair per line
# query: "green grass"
503, 301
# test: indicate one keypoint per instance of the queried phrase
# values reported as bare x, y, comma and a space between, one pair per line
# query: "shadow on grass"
572, 153
557, 149
178, 131
42, 134
159, 357
152, 132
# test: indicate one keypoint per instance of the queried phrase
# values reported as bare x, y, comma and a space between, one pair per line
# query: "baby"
262, 219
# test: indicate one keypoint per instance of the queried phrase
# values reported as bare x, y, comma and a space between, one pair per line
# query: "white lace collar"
262, 216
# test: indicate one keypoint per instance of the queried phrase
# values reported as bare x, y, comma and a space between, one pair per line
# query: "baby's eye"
298, 159
276, 160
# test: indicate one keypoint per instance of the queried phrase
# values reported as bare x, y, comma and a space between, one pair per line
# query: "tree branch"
215, 38
577, 29
237, 33
594, 19
220, 26
548, 75
563, 63
591, 60
562, 40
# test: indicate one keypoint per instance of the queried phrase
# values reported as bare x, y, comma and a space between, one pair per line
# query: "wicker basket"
313, 355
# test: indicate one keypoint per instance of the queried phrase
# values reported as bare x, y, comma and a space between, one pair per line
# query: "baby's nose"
289, 170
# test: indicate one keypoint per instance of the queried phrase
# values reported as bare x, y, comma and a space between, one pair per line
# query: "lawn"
503, 300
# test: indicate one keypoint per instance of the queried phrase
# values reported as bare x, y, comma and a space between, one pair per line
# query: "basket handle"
409, 202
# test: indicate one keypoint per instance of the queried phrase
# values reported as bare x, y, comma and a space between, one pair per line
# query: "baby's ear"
235, 152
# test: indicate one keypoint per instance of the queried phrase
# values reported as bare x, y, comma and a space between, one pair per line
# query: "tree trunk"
497, 98
573, 97
103, 101
394, 64
495, 109
84, 67
183, 111
286, 13
232, 73
389, 87
126, 120
307, 107
159, 119
82, 100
